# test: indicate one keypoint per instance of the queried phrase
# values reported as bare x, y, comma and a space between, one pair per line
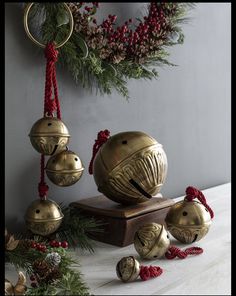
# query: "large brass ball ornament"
151, 241
188, 221
43, 217
64, 168
130, 156
49, 135
127, 269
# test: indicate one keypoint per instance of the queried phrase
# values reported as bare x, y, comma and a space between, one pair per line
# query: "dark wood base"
121, 222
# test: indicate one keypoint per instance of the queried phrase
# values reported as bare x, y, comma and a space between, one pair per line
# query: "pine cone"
54, 275
41, 268
25, 243
53, 259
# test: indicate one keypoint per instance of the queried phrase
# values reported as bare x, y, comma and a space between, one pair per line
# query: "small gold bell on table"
49, 135
43, 217
188, 221
151, 241
128, 269
64, 168
129, 165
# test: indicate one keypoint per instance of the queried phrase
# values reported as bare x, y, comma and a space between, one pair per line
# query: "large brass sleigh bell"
151, 241
127, 269
49, 135
43, 217
64, 168
188, 221
129, 165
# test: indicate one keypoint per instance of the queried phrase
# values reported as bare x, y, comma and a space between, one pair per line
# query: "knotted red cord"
192, 193
102, 137
147, 272
176, 252
50, 105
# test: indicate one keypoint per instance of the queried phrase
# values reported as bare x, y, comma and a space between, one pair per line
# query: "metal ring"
71, 22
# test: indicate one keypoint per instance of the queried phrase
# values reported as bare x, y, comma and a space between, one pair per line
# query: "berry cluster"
41, 247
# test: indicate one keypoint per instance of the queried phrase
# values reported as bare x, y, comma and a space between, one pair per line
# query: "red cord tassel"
147, 272
176, 252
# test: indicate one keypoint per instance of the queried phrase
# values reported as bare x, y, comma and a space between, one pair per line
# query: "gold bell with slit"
64, 168
151, 241
129, 164
127, 269
43, 217
188, 221
49, 135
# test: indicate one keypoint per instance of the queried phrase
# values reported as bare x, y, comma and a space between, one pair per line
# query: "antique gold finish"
127, 269
188, 221
20, 287
64, 168
151, 241
71, 23
49, 135
43, 217
130, 156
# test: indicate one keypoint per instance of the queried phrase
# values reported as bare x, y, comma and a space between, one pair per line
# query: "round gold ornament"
43, 217
127, 269
188, 221
49, 135
64, 168
151, 241
128, 159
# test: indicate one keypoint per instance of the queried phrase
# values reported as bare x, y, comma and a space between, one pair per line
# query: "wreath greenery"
104, 56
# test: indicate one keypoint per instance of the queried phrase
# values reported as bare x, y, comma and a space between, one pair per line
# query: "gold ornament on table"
49, 135
130, 167
188, 220
128, 269
151, 241
64, 168
43, 217
20, 287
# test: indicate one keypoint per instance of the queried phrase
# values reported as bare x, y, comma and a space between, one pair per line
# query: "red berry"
64, 244
57, 244
32, 278
34, 285
52, 243
33, 245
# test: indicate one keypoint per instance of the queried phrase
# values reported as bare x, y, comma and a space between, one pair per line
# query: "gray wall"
187, 109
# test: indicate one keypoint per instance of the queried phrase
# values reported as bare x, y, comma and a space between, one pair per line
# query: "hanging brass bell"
128, 159
188, 221
43, 217
127, 269
151, 241
64, 168
49, 135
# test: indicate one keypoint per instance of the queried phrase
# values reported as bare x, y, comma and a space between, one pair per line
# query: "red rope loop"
102, 137
173, 252
51, 105
147, 272
42, 186
192, 192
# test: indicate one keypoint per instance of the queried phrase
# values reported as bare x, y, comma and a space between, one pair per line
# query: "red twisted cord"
147, 272
102, 137
192, 192
50, 105
176, 252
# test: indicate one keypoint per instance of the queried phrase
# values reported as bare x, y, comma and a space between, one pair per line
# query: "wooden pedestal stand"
121, 222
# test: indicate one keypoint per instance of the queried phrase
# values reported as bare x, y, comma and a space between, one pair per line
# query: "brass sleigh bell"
188, 221
128, 165
49, 135
64, 168
151, 241
127, 269
43, 217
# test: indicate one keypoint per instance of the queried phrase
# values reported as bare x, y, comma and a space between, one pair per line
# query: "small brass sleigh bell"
64, 168
151, 241
43, 217
49, 135
128, 165
188, 221
128, 269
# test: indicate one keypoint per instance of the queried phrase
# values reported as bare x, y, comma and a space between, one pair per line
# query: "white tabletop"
205, 274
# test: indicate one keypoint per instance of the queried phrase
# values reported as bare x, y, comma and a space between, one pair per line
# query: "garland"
104, 56
48, 265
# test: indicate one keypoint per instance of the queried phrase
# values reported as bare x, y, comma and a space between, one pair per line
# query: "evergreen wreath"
104, 56
49, 266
